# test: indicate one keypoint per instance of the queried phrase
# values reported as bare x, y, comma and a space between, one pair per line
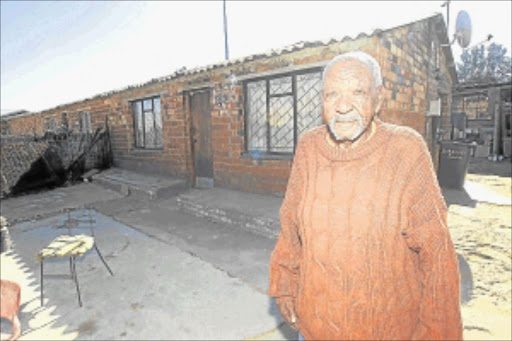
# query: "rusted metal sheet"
29, 163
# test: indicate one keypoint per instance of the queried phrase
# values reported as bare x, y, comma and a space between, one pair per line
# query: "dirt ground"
482, 235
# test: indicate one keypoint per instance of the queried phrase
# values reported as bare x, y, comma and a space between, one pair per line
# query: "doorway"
201, 138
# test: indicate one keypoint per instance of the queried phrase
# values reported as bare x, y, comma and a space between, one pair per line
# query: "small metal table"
72, 247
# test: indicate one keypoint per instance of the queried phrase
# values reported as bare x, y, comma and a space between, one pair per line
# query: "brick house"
487, 108
235, 124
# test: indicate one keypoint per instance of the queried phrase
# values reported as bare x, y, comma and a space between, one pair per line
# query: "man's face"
350, 100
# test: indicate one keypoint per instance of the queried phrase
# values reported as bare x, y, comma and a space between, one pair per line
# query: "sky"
58, 52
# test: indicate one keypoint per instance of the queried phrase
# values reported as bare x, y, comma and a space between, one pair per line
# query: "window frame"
143, 112
268, 154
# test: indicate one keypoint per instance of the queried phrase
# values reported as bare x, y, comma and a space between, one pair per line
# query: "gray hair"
361, 56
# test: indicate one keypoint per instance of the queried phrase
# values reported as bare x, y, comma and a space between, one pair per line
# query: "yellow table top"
66, 246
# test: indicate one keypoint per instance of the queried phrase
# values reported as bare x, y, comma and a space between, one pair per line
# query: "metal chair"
72, 247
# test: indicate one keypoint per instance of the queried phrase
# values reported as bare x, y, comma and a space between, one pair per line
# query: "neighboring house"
487, 109
235, 124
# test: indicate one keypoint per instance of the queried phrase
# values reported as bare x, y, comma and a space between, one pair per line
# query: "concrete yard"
180, 278
157, 291
189, 265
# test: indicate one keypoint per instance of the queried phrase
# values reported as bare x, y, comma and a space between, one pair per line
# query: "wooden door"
201, 138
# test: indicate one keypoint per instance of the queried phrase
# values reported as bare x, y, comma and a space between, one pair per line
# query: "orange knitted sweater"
364, 250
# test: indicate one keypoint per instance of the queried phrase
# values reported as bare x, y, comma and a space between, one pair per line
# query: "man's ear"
379, 98
322, 113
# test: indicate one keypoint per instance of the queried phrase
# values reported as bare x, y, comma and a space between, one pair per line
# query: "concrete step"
253, 212
140, 185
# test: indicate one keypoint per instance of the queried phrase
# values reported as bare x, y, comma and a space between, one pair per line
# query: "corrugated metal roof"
16, 113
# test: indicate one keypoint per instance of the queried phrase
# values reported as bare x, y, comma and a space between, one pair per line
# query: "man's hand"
287, 309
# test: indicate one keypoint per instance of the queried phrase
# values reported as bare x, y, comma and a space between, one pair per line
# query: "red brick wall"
171, 160
231, 168
24, 125
403, 56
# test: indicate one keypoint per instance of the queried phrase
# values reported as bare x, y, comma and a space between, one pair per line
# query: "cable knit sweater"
364, 250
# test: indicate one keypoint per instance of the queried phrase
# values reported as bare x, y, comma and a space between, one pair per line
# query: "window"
147, 123
84, 121
477, 107
279, 109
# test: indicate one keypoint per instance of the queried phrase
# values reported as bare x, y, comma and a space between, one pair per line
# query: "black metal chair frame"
72, 260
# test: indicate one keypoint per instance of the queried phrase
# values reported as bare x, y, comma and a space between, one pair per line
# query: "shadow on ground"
466, 280
458, 197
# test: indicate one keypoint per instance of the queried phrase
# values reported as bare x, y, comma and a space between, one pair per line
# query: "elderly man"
364, 250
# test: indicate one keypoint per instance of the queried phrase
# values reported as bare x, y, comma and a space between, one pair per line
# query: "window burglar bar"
147, 123
279, 109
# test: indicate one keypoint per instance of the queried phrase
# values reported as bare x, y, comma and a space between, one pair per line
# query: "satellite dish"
463, 29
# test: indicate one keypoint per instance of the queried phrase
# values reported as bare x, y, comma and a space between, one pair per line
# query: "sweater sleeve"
428, 235
285, 259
